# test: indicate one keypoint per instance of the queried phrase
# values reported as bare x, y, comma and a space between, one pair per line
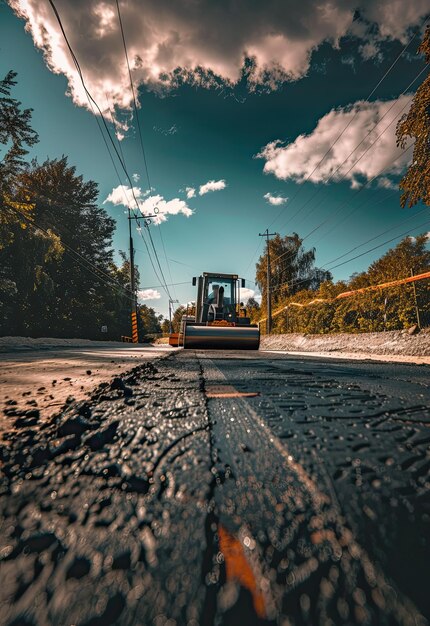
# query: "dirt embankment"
394, 343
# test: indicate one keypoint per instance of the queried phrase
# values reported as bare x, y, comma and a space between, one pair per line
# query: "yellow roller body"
221, 337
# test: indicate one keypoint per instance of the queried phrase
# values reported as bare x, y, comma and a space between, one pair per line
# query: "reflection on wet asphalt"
216, 488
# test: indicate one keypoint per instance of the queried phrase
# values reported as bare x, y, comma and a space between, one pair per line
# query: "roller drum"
222, 337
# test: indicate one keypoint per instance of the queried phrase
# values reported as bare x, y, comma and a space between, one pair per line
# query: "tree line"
57, 272
294, 279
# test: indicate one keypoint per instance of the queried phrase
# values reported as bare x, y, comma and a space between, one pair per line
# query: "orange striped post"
134, 333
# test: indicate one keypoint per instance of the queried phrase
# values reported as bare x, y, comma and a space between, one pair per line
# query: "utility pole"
171, 302
269, 292
134, 331
417, 310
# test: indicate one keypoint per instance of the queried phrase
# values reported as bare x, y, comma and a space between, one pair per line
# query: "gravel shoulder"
24, 344
393, 346
41, 378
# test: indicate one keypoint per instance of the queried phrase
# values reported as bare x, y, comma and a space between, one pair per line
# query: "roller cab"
220, 320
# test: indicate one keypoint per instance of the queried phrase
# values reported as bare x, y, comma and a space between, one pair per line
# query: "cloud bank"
298, 160
204, 43
149, 205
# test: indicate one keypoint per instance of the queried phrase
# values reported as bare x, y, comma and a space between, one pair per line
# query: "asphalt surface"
214, 488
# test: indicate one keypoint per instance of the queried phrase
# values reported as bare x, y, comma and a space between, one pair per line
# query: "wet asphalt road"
214, 488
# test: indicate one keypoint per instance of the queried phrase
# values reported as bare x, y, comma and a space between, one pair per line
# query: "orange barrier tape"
347, 294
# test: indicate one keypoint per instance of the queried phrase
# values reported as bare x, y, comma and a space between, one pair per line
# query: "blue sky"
310, 77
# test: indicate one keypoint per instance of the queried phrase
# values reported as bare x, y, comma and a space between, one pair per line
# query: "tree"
253, 309
15, 132
64, 280
292, 269
390, 308
14, 128
149, 320
415, 125
165, 327
177, 316
410, 255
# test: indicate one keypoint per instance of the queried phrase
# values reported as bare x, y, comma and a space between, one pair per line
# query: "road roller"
220, 319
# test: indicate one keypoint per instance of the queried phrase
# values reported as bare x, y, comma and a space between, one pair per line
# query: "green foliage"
15, 130
16, 135
292, 269
149, 321
253, 310
415, 125
165, 327
390, 308
57, 274
177, 316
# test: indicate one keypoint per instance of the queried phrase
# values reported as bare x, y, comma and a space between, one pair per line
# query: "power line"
336, 140
186, 282
325, 267
378, 246
133, 94
142, 146
354, 210
342, 205
89, 266
172, 260
260, 243
93, 101
408, 219
348, 125
332, 175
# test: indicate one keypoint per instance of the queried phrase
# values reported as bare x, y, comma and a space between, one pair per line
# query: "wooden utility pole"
269, 293
171, 302
417, 310
137, 218
134, 331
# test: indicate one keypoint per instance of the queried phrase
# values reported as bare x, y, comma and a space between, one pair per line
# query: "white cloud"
371, 50
123, 195
165, 207
212, 185
413, 239
136, 178
298, 160
387, 14
191, 192
386, 183
275, 200
149, 205
246, 293
148, 294
204, 43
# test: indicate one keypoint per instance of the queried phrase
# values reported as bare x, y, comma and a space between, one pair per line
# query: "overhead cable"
402, 52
